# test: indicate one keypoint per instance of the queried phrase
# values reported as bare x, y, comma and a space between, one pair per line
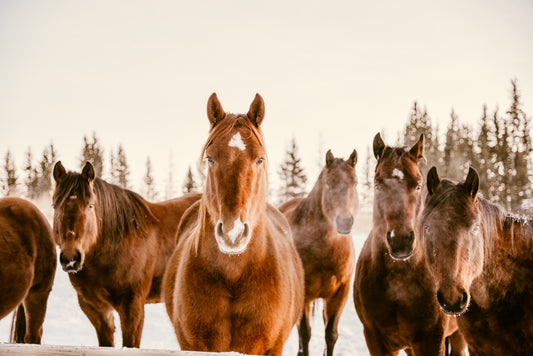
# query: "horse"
115, 246
393, 290
235, 281
482, 260
27, 268
321, 225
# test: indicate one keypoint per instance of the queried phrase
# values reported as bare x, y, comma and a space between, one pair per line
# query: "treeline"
499, 148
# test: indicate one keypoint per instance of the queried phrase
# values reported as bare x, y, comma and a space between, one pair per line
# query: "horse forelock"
396, 162
119, 211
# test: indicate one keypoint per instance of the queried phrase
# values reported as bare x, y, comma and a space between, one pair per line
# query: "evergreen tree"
292, 175
149, 184
121, 169
31, 177
189, 185
449, 164
366, 191
484, 161
93, 153
169, 189
420, 122
10, 183
519, 159
46, 167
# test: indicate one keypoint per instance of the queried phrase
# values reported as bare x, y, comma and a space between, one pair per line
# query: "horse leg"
304, 331
333, 309
101, 316
432, 343
131, 312
375, 344
35, 310
457, 343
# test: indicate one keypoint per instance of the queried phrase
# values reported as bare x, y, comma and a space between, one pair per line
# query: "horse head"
452, 238
236, 184
75, 217
397, 194
339, 196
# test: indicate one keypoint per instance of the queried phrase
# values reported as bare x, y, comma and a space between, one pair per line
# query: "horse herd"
441, 270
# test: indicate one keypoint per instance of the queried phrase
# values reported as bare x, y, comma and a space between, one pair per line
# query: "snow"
65, 324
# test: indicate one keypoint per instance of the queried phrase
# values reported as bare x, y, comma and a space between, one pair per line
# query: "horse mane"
223, 128
119, 211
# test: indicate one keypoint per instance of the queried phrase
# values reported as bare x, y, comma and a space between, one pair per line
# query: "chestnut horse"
115, 246
27, 267
482, 261
321, 225
393, 290
235, 282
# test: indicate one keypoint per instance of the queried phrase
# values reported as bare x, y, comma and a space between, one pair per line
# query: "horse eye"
91, 206
259, 161
419, 187
210, 160
475, 228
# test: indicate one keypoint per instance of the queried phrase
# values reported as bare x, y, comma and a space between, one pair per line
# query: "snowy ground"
65, 324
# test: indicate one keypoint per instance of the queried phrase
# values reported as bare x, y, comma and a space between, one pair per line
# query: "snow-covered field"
65, 324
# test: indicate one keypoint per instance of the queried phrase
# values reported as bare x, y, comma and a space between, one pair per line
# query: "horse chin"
453, 312
341, 231
72, 269
231, 250
401, 256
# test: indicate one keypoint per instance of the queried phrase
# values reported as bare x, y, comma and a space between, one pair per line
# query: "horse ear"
256, 114
379, 146
59, 172
352, 160
88, 172
417, 151
472, 182
433, 180
329, 158
215, 113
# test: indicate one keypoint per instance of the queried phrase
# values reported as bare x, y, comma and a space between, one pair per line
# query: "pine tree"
10, 184
484, 153
121, 171
366, 191
449, 161
169, 188
46, 166
93, 153
31, 177
189, 185
519, 144
420, 122
292, 175
149, 184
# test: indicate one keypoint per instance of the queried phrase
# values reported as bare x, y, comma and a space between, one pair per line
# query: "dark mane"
119, 211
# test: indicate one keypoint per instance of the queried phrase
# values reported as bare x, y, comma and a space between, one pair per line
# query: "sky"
332, 74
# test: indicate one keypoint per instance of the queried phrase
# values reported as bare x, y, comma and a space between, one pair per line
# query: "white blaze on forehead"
237, 230
72, 197
236, 141
397, 173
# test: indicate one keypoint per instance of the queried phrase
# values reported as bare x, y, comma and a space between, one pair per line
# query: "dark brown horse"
235, 281
482, 261
115, 246
321, 225
393, 290
27, 267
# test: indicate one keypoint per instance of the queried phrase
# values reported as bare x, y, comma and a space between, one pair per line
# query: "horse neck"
504, 231
312, 204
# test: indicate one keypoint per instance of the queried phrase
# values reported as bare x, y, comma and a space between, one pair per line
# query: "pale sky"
139, 73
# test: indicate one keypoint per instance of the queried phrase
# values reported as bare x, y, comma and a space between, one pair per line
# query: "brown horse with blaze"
321, 224
235, 281
481, 258
115, 246
393, 289
27, 267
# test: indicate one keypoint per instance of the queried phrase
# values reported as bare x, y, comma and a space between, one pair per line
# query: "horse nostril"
63, 259
246, 229
220, 230
412, 235
464, 300
77, 256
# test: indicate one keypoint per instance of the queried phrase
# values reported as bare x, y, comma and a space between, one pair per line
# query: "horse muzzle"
455, 307
344, 224
235, 240
73, 264
401, 246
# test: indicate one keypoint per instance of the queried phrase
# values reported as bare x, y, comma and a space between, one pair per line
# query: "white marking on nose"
236, 141
397, 173
392, 235
71, 264
238, 227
